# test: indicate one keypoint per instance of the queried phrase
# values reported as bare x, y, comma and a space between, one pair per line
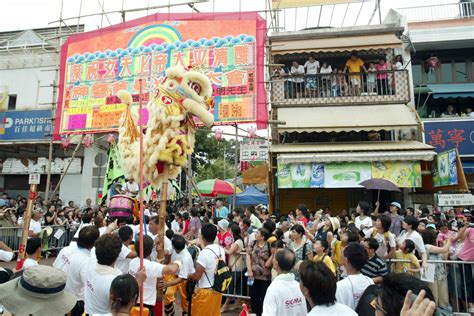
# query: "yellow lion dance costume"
170, 133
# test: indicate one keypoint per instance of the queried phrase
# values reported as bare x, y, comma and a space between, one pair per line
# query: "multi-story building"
342, 126
29, 68
442, 40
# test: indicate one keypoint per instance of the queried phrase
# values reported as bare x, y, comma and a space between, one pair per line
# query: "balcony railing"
439, 12
343, 88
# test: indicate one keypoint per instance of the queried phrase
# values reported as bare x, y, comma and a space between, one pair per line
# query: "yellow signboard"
405, 174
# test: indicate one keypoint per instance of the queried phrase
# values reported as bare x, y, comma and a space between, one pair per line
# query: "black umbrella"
379, 184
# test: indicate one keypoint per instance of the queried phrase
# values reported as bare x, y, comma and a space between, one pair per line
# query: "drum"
121, 206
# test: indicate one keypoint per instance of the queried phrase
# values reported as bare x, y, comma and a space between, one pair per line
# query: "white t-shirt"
168, 246
76, 276
122, 262
208, 260
298, 73
350, 289
336, 309
311, 67
175, 226
367, 222
29, 263
6, 255
415, 237
132, 187
187, 263
102, 230
76, 234
284, 297
63, 260
153, 271
382, 251
35, 226
326, 70
98, 280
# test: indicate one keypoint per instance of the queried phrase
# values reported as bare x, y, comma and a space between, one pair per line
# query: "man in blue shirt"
221, 210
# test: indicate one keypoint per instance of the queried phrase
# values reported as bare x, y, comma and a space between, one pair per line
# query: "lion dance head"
170, 132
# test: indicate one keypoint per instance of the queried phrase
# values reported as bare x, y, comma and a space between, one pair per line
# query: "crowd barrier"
60, 237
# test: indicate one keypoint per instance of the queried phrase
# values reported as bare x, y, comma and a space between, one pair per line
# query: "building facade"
352, 119
29, 77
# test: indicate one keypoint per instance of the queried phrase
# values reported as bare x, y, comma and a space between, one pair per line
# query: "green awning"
423, 89
454, 90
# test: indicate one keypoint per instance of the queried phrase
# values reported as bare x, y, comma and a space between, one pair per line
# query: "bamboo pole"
141, 188
236, 160
26, 227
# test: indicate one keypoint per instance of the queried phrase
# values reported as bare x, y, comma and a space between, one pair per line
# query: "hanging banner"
405, 174
282, 4
227, 47
346, 175
444, 169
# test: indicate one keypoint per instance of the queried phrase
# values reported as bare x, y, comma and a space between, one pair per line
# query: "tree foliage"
210, 154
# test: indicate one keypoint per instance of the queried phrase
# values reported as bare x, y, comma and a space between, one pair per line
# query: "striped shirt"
375, 267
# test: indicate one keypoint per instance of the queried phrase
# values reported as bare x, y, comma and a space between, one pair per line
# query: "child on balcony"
371, 79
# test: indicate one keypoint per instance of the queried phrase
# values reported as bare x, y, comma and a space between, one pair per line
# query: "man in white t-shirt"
63, 260
312, 69
79, 262
179, 284
152, 231
350, 289
33, 251
6, 253
318, 285
126, 254
284, 297
99, 276
153, 270
86, 221
131, 188
296, 80
207, 301
35, 224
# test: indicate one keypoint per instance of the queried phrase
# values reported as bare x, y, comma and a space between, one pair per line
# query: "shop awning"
468, 166
347, 152
454, 90
346, 118
336, 39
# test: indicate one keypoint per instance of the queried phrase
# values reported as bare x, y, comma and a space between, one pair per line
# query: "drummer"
131, 188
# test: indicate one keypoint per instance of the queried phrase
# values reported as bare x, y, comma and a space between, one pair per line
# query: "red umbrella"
215, 187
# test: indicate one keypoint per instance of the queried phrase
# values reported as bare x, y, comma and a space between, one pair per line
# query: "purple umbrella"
379, 184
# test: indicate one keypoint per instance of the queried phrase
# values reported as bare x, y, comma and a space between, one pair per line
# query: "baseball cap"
396, 204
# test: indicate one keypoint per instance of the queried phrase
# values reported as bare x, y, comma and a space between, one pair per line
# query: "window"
416, 71
12, 102
446, 73
460, 72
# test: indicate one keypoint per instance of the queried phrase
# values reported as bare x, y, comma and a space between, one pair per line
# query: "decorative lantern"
252, 130
88, 141
218, 134
65, 141
111, 138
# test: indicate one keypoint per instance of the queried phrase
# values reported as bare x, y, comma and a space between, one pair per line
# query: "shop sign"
455, 199
405, 174
446, 134
25, 125
444, 169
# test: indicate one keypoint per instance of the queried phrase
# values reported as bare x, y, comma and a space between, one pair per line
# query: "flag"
114, 172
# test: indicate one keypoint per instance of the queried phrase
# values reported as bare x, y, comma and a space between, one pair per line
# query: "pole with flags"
141, 189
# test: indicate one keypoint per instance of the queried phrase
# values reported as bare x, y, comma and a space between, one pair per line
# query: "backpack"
222, 275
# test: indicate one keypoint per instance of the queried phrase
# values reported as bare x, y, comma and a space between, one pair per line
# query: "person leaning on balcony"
354, 65
450, 112
312, 68
297, 80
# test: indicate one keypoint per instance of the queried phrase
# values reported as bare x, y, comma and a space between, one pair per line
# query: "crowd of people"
306, 262
355, 77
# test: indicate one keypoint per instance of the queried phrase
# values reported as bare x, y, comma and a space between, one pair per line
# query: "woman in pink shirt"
467, 254
382, 76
